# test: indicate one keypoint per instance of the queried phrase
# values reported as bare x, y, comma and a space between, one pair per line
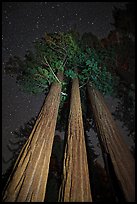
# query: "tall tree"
29, 176
42, 71
75, 185
113, 145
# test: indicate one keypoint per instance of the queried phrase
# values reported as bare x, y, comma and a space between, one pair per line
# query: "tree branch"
57, 45
84, 84
64, 61
52, 70
56, 50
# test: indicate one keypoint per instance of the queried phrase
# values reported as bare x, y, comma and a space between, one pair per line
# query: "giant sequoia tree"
75, 185
55, 55
114, 147
40, 71
29, 176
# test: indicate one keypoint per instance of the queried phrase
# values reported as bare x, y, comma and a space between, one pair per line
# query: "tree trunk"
75, 185
28, 180
113, 144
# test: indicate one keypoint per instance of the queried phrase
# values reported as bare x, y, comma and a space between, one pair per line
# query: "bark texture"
113, 144
75, 185
28, 180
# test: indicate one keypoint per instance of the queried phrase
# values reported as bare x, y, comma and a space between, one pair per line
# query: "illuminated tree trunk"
113, 144
75, 185
28, 180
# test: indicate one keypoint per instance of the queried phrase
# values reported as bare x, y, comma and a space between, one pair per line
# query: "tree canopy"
60, 52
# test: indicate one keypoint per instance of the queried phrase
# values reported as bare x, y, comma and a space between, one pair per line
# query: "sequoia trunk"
28, 180
75, 186
113, 144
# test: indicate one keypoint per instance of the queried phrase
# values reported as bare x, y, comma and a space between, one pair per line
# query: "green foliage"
70, 73
96, 72
38, 70
63, 52
34, 78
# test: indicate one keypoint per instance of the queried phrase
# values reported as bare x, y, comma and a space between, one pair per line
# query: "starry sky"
22, 24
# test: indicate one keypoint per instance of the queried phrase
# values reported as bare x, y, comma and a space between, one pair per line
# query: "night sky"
22, 24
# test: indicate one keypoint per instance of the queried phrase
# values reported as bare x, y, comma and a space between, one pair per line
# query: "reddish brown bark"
28, 181
113, 144
75, 186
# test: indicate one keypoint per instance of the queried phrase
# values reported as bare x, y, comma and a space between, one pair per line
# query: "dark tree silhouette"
90, 40
124, 19
15, 147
